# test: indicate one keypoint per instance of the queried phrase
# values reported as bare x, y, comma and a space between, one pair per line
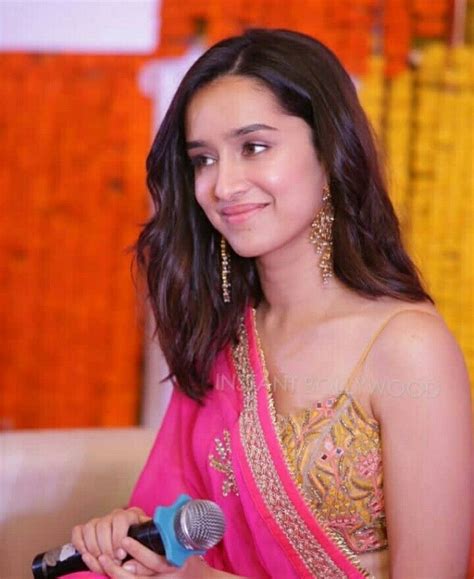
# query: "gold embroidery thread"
223, 464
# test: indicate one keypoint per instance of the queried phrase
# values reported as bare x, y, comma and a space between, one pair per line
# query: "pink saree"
228, 451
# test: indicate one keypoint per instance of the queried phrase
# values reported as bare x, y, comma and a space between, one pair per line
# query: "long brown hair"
178, 248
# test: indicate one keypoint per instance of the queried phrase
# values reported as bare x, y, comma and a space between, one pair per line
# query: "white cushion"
51, 480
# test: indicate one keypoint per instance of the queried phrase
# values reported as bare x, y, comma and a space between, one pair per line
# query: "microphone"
188, 527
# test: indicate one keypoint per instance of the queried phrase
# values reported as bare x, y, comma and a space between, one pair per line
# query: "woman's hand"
147, 564
103, 543
104, 536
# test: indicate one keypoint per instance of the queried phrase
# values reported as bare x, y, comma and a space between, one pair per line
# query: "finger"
104, 536
93, 563
92, 547
77, 539
137, 568
142, 516
90, 537
113, 570
146, 557
121, 523
131, 569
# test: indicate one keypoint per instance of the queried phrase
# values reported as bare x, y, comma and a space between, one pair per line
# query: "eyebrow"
233, 134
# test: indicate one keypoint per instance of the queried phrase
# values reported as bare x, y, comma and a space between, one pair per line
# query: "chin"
249, 251
245, 252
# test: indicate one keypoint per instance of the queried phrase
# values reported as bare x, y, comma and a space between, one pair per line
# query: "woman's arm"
423, 403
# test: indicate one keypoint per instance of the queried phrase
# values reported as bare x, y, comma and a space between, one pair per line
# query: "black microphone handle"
49, 566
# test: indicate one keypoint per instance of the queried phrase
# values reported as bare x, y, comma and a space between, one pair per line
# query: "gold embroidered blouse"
334, 449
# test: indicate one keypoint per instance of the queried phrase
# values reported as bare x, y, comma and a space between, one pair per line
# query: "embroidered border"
312, 554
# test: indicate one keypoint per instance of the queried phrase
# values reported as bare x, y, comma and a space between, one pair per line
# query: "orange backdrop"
74, 135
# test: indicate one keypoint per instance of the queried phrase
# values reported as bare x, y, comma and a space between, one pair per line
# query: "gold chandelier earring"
322, 236
225, 271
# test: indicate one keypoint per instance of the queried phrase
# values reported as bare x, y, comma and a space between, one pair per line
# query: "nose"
230, 179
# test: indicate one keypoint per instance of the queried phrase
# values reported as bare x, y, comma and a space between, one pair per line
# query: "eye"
254, 148
200, 161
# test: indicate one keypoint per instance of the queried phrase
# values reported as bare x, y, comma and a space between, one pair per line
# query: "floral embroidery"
376, 506
325, 408
368, 464
337, 458
368, 540
223, 464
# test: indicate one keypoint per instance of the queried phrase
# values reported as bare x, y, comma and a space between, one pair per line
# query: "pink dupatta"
228, 450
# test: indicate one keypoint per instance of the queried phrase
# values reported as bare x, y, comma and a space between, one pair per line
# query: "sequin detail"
302, 540
335, 451
223, 464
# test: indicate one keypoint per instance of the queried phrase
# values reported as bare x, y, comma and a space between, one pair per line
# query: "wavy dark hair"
178, 248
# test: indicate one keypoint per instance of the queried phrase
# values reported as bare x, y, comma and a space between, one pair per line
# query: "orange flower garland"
73, 192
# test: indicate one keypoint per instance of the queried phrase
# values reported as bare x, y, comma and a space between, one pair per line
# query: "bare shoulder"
416, 355
421, 400
415, 337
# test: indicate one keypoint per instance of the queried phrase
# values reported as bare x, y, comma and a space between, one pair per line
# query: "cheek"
201, 195
204, 198
291, 189
289, 171
202, 191
299, 182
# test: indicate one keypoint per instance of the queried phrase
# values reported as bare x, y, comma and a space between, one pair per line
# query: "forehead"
230, 101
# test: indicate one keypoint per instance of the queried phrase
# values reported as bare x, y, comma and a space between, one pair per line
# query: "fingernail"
120, 553
130, 567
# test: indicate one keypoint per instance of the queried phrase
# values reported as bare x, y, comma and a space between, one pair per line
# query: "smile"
240, 213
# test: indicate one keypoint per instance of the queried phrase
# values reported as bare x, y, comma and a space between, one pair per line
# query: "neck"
293, 286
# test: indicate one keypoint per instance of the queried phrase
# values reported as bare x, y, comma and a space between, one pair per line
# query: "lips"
240, 213
242, 208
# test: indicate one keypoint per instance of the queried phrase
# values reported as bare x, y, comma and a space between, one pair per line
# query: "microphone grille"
199, 524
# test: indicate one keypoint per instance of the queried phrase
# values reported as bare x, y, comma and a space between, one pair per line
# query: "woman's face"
256, 172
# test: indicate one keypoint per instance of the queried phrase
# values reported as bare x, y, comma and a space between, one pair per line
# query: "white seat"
52, 479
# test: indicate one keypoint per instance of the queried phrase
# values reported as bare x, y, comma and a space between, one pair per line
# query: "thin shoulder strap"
367, 349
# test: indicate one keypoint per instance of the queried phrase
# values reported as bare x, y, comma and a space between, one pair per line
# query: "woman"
319, 397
